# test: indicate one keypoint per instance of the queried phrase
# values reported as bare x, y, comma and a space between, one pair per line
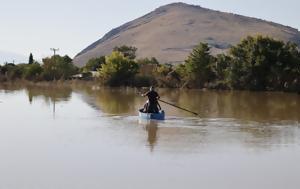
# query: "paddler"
152, 105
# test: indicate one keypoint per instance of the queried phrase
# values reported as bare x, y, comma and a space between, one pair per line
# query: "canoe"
156, 116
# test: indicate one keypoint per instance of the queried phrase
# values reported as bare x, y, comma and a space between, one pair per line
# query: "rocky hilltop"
170, 32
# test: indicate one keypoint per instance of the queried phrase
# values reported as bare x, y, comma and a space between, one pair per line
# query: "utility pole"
54, 50
54, 68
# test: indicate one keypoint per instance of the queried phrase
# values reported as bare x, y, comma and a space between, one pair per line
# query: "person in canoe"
152, 105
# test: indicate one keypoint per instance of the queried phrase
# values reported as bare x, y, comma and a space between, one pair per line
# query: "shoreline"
98, 85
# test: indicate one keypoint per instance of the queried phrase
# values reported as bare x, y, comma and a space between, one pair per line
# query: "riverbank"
257, 63
94, 84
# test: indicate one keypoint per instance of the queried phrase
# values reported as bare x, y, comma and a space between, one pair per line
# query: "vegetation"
32, 71
127, 51
58, 67
53, 68
199, 66
31, 60
118, 70
256, 63
262, 63
147, 61
93, 64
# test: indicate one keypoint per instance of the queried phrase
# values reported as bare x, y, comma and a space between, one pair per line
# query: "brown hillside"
170, 32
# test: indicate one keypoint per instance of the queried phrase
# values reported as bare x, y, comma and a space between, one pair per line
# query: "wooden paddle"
178, 107
139, 92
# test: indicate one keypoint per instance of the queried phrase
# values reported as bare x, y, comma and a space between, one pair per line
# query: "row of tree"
53, 68
256, 63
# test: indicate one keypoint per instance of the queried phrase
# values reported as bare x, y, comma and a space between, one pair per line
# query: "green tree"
33, 71
263, 63
31, 60
58, 67
147, 61
118, 70
199, 66
128, 51
94, 64
11, 71
221, 66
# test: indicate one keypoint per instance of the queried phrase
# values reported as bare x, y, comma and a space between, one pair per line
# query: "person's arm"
145, 94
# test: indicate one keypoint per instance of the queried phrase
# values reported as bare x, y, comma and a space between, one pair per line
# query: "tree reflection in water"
253, 114
112, 100
50, 93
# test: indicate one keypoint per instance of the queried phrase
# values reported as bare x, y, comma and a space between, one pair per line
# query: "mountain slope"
170, 32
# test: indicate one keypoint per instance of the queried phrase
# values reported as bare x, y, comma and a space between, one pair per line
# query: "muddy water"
89, 137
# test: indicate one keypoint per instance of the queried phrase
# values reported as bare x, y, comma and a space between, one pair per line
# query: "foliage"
199, 66
256, 63
163, 69
128, 51
31, 60
262, 63
32, 71
147, 61
58, 67
118, 70
221, 66
11, 71
94, 64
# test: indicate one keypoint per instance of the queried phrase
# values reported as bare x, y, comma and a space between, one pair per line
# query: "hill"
170, 32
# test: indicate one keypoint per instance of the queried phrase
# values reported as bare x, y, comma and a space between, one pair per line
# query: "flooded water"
90, 137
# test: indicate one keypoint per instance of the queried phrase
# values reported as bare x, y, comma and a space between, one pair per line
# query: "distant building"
86, 76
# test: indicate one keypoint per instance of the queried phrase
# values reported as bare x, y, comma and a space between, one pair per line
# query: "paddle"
179, 107
139, 92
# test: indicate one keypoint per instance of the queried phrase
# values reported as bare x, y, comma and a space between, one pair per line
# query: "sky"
71, 25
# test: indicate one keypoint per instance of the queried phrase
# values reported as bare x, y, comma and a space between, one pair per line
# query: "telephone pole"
54, 50
54, 68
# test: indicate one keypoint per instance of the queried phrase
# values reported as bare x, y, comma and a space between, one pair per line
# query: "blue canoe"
156, 116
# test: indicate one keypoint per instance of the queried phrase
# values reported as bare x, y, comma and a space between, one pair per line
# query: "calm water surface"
91, 138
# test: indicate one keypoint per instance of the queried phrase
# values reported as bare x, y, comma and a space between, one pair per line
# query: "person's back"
152, 96
153, 100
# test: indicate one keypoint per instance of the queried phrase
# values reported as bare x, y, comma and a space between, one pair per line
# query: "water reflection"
151, 127
49, 94
110, 100
248, 118
98, 135
255, 106
182, 135
248, 106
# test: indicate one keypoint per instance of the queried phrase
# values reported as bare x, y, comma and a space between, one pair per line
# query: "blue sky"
37, 25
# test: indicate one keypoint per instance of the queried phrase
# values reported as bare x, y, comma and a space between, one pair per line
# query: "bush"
118, 70
262, 63
199, 66
58, 67
32, 71
94, 64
